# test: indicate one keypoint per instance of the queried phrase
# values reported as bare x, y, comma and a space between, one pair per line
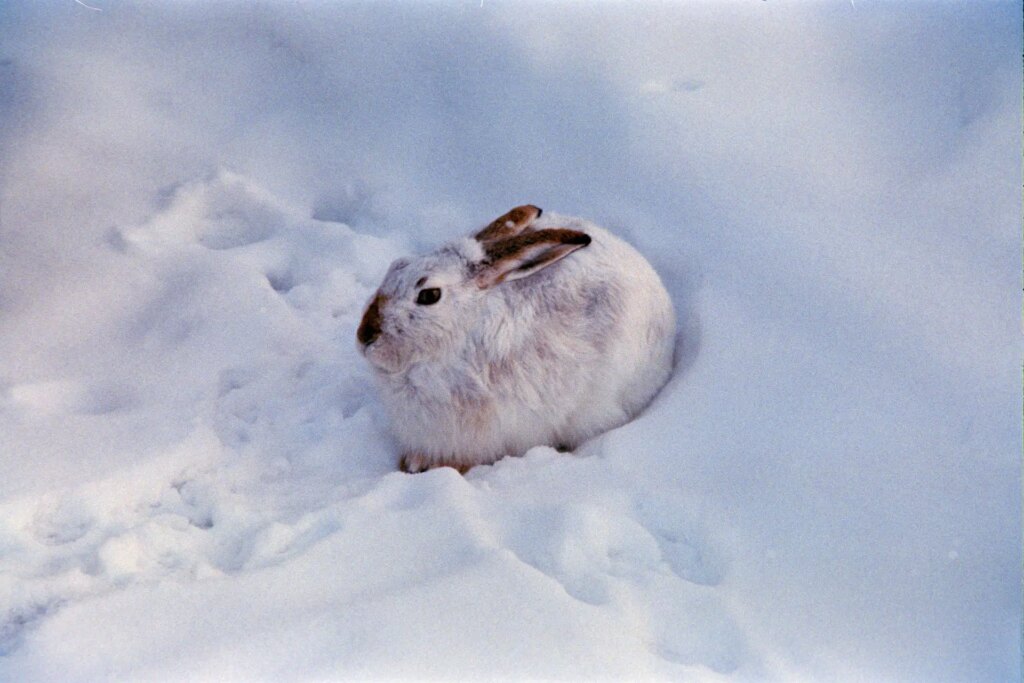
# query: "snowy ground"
197, 481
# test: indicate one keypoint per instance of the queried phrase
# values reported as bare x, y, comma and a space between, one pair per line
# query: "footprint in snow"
578, 545
236, 214
64, 523
684, 544
281, 281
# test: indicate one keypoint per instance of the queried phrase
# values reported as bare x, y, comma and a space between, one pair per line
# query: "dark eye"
429, 296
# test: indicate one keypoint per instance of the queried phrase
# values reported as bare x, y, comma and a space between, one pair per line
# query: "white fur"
554, 358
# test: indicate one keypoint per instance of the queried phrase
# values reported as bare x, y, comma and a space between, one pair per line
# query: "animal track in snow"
684, 545
236, 213
65, 523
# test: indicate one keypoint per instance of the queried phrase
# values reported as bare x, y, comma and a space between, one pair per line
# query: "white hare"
533, 331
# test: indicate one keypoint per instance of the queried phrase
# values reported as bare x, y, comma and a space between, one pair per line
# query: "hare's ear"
511, 224
525, 254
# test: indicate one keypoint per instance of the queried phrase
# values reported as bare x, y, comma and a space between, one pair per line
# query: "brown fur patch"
369, 326
513, 246
510, 224
499, 371
528, 250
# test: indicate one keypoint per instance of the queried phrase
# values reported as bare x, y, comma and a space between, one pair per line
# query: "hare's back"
623, 309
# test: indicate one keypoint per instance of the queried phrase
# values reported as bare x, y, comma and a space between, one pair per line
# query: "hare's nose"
369, 327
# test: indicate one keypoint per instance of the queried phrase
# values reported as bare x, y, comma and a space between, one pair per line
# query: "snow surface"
197, 481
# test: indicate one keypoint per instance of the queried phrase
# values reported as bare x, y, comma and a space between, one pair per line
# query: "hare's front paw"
413, 463
417, 462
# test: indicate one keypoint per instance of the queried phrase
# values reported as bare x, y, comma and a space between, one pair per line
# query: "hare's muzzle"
369, 327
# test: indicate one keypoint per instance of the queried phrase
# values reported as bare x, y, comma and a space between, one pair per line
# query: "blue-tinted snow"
196, 199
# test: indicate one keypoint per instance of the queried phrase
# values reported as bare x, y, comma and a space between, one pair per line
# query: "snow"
197, 481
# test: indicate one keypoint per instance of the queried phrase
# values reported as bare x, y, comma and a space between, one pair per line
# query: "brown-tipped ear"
527, 253
511, 224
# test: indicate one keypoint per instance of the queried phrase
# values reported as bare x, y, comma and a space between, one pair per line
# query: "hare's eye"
428, 297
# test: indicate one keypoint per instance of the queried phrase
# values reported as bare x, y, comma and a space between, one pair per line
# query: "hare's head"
429, 306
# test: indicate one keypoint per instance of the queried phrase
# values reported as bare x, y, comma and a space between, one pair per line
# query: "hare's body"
553, 356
